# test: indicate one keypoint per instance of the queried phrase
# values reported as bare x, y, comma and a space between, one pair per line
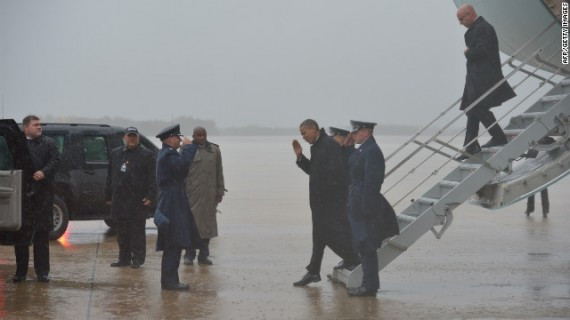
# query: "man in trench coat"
205, 189
180, 231
483, 72
327, 195
371, 217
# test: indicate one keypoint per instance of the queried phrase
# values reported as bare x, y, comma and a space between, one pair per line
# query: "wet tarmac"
489, 264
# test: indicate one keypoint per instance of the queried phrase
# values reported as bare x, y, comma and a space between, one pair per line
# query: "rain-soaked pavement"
489, 264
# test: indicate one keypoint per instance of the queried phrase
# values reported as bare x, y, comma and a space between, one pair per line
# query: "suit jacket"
483, 67
130, 178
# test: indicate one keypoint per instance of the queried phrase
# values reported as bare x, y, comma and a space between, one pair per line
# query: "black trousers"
482, 115
41, 255
370, 278
203, 246
344, 250
169, 266
543, 198
131, 237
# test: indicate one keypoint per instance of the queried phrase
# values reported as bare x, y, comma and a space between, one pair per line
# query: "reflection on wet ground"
520, 271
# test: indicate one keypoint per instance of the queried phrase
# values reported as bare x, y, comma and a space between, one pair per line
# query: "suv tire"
60, 218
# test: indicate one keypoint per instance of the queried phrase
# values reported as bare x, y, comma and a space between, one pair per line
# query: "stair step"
565, 82
428, 201
449, 183
553, 98
532, 115
406, 218
513, 132
469, 166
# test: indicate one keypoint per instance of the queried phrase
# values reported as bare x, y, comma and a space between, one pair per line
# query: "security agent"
171, 169
130, 190
371, 217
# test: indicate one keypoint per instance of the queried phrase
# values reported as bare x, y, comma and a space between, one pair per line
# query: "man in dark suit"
371, 217
327, 195
130, 190
45, 161
483, 72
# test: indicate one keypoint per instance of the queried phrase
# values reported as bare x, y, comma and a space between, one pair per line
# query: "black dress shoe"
43, 278
495, 142
19, 278
205, 261
188, 261
361, 292
120, 264
345, 265
136, 265
177, 287
470, 151
307, 278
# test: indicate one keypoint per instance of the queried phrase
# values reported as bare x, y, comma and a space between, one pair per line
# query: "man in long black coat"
45, 160
371, 217
180, 231
130, 190
483, 72
327, 194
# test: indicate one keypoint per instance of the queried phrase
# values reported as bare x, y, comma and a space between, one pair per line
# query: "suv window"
6, 158
59, 140
95, 149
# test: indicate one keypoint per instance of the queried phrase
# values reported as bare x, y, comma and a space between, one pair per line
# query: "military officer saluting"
371, 217
177, 229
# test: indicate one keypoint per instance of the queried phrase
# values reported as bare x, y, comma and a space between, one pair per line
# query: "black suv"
80, 180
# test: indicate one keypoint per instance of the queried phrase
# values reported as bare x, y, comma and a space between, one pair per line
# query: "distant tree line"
152, 127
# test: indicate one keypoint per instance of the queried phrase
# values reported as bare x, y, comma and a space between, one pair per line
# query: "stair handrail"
474, 103
558, 72
454, 104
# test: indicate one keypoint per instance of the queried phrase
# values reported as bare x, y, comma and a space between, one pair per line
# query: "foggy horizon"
255, 63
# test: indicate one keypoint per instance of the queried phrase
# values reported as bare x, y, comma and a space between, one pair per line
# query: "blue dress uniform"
171, 169
371, 217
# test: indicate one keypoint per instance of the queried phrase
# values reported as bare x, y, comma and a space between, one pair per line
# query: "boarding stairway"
492, 178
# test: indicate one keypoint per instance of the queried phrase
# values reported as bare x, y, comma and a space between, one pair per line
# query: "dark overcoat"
127, 188
171, 170
371, 217
45, 157
328, 187
483, 67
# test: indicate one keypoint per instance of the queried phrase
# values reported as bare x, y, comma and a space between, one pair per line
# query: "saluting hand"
186, 140
297, 148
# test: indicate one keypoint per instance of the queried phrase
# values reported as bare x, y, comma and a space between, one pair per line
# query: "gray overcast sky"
266, 62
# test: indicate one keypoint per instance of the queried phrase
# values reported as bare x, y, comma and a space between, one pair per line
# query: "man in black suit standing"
483, 72
45, 160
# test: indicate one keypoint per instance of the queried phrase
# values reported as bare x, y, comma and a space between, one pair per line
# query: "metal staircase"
493, 177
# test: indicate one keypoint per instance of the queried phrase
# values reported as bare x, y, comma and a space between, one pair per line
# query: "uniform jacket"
370, 214
171, 170
483, 67
328, 186
45, 157
130, 179
204, 185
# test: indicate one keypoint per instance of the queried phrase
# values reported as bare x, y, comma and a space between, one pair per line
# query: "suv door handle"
91, 172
